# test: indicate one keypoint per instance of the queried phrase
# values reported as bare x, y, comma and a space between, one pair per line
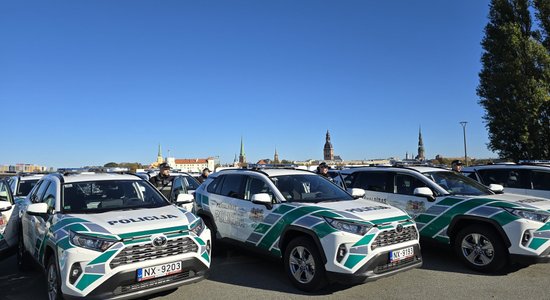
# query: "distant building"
276, 157
192, 165
420, 156
159, 160
328, 150
242, 155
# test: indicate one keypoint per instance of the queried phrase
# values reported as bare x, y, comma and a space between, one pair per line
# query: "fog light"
341, 253
527, 235
75, 272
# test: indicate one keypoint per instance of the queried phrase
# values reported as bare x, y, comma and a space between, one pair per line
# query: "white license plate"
159, 271
398, 255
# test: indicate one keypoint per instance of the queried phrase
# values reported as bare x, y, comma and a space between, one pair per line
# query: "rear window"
510, 178
25, 187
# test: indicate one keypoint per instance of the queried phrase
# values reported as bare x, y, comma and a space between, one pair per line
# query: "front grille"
154, 282
392, 237
143, 252
395, 265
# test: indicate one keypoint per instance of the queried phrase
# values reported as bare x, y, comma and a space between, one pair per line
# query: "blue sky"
88, 82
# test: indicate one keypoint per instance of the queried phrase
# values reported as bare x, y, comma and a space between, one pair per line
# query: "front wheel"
481, 248
54, 280
304, 266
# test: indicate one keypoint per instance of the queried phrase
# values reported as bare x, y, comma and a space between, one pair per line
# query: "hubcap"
52, 283
302, 265
478, 249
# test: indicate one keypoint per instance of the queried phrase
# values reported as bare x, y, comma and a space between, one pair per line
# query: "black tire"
481, 249
53, 280
24, 262
304, 266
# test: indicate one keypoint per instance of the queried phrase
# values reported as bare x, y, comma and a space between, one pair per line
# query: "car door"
30, 222
403, 194
224, 205
8, 231
378, 185
42, 223
253, 213
541, 183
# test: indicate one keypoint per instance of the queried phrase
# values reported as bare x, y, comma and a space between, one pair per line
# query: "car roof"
31, 176
268, 172
90, 176
395, 169
508, 166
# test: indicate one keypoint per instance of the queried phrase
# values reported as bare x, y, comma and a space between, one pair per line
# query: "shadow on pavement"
21, 285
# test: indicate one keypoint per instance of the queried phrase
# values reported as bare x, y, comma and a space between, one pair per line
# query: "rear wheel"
304, 266
481, 248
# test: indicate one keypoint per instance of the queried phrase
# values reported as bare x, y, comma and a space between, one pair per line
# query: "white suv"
8, 227
320, 231
485, 229
105, 236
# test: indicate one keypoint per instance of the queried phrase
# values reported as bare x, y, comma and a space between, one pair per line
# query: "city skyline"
94, 82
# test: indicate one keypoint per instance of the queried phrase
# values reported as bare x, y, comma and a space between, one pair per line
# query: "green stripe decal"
86, 280
389, 220
326, 213
103, 257
204, 200
504, 218
449, 201
445, 219
77, 228
275, 231
323, 229
284, 209
200, 241
353, 260
64, 243
423, 218
150, 232
545, 227
364, 241
67, 221
205, 256
442, 239
536, 243
503, 204
262, 228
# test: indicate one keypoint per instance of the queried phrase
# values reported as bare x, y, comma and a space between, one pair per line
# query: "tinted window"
511, 178
50, 196
99, 196
37, 196
233, 186
4, 192
541, 180
308, 188
405, 184
457, 184
373, 181
25, 186
192, 183
256, 186
177, 188
215, 186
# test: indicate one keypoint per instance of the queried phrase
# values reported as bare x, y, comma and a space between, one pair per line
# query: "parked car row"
102, 236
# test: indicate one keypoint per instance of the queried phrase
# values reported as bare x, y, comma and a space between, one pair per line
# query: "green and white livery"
487, 230
321, 232
110, 236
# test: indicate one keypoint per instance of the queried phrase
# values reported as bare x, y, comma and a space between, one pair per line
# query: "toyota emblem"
399, 228
159, 241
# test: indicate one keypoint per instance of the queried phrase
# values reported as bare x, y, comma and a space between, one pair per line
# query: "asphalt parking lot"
239, 275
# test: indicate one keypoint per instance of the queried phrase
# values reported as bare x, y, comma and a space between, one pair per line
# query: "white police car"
103, 236
486, 230
321, 232
8, 220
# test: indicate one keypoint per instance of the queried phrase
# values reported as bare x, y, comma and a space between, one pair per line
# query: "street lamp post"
463, 123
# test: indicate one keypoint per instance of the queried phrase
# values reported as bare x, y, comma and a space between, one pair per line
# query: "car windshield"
102, 196
25, 187
457, 184
308, 188
192, 183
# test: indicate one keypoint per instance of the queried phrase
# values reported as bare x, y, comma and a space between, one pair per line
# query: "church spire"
420, 155
242, 155
276, 157
328, 150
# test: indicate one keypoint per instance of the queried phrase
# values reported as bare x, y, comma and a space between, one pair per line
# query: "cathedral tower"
328, 151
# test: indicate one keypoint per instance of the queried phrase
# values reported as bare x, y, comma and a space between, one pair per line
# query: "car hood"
362, 209
519, 200
136, 222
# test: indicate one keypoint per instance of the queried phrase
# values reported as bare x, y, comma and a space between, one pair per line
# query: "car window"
255, 186
177, 188
25, 186
406, 184
233, 186
470, 175
457, 184
39, 192
510, 178
4, 192
191, 183
50, 196
215, 186
541, 180
108, 195
308, 188
373, 181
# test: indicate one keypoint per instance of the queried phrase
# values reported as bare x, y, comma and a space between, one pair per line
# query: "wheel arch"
462, 221
207, 215
292, 232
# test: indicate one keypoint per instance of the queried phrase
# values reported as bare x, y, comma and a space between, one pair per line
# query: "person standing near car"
456, 166
204, 175
322, 170
163, 180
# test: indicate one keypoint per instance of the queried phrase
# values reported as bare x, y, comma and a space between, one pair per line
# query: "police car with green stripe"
320, 231
486, 229
110, 236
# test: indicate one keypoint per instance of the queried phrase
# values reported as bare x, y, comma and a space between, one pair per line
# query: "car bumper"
125, 286
378, 267
544, 257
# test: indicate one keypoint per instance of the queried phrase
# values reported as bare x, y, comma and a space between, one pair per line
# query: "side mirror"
424, 192
184, 198
357, 193
496, 188
37, 209
4, 206
263, 199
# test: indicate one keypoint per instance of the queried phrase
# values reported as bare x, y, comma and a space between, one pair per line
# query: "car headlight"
533, 215
347, 226
90, 242
197, 227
